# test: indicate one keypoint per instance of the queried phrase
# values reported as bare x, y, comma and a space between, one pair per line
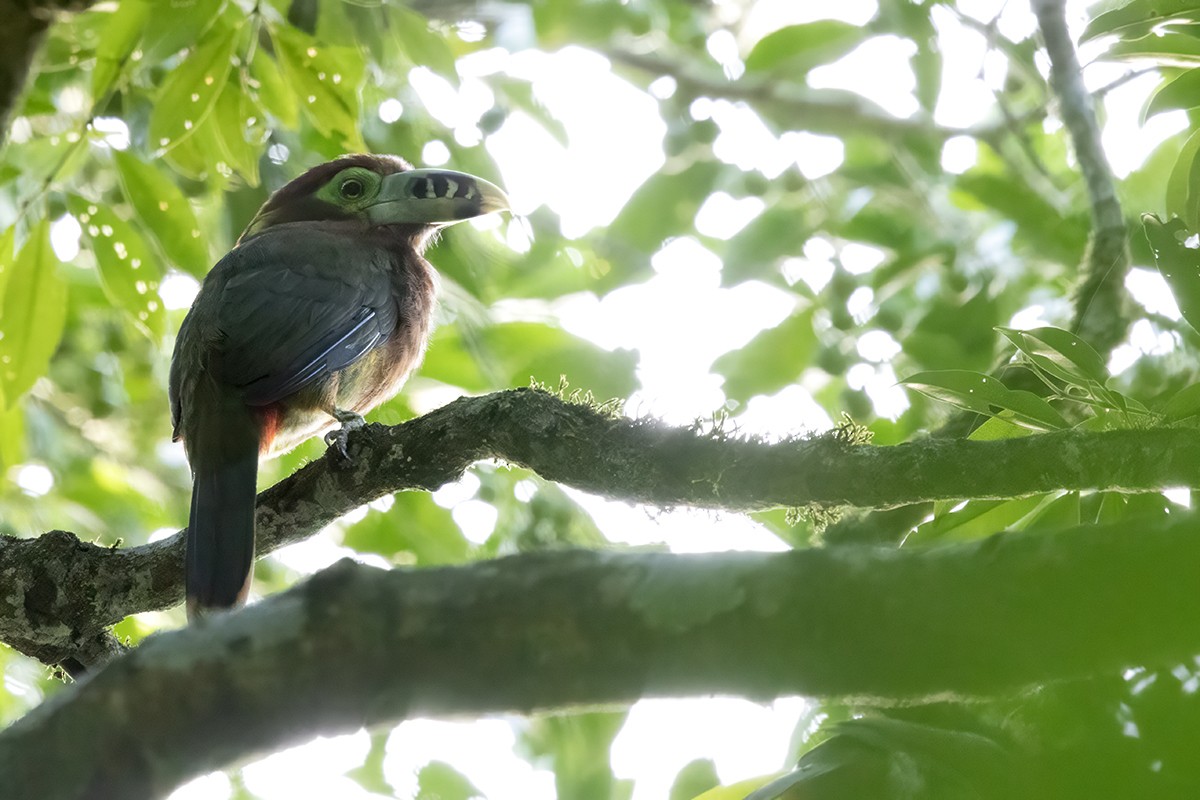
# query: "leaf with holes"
129, 272
268, 85
974, 391
326, 79
191, 89
241, 129
165, 211
121, 35
34, 310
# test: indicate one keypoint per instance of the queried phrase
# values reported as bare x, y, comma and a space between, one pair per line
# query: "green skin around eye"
369, 181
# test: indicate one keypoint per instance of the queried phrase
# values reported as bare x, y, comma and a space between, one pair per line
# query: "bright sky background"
669, 321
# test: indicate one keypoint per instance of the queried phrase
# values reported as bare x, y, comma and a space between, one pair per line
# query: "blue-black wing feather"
298, 306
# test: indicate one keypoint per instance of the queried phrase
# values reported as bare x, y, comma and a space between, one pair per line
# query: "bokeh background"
751, 214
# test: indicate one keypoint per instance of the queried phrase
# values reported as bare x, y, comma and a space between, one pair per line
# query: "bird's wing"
296, 306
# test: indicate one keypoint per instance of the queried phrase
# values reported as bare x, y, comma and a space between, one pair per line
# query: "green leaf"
421, 45
1139, 17
415, 530
998, 427
955, 332
7, 240
1061, 354
371, 774
199, 156
1181, 185
1179, 264
34, 311
975, 520
12, 435
796, 49
664, 206
771, 360
165, 211
1054, 235
1179, 49
129, 272
241, 129
1181, 93
191, 89
511, 354
437, 779
1183, 404
188, 21
576, 747
326, 78
272, 91
756, 250
122, 33
519, 94
975, 391
1063, 512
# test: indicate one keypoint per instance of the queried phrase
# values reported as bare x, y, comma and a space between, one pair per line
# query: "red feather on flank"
269, 419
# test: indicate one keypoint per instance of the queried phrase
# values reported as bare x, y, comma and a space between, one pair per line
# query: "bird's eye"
352, 189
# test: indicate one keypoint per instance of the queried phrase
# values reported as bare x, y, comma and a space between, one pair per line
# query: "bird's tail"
223, 449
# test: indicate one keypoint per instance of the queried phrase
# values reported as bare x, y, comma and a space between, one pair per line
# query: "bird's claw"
339, 437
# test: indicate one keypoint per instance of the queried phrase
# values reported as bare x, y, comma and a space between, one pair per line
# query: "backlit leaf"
326, 79
419, 44
771, 360
191, 89
34, 309
1181, 185
129, 272
974, 391
1181, 93
242, 129
1185, 403
1060, 353
977, 519
798, 48
273, 92
1138, 18
122, 33
165, 211
1179, 265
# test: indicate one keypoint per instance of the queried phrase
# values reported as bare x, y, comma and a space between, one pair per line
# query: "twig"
1099, 298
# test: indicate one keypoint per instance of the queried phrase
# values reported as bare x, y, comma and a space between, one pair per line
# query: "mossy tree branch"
59, 595
360, 646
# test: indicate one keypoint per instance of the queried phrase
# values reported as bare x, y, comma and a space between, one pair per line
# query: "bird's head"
377, 191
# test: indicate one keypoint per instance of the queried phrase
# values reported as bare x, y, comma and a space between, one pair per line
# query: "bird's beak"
434, 197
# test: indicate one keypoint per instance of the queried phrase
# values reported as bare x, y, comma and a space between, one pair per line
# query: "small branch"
1100, 302
361, 646
57, 595
827, 111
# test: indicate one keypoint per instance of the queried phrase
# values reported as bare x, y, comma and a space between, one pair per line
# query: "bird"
318, 313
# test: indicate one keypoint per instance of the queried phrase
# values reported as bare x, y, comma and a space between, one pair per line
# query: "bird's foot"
338, 438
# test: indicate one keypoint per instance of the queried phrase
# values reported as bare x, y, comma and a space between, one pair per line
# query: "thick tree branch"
361, 646
58, 594
1101, 316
